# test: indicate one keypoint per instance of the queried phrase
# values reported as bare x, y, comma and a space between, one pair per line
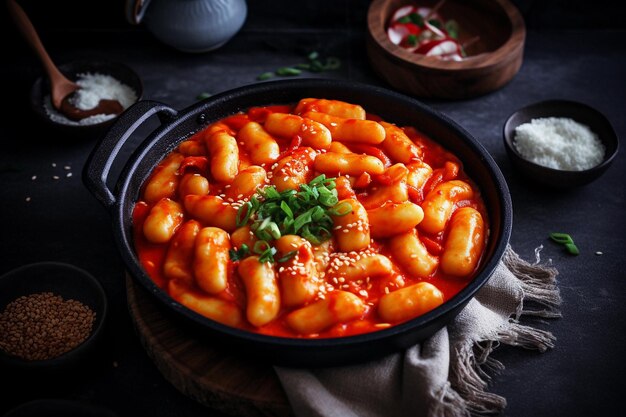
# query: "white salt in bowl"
579, 112
40, 98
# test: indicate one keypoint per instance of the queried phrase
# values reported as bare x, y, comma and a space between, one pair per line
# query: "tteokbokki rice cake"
310, 220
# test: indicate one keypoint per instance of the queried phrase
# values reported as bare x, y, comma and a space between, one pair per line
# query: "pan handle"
98, 165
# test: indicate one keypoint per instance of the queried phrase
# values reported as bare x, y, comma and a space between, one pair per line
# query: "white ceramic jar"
189, 25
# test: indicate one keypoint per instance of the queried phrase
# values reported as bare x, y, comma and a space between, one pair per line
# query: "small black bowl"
71, 70
579, 112
61, 279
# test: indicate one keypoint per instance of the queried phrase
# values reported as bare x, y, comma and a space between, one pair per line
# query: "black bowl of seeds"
51, 316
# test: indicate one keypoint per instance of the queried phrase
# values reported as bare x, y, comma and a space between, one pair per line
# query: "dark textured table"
581, 376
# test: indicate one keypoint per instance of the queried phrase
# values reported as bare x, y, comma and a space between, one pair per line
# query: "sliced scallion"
567, 241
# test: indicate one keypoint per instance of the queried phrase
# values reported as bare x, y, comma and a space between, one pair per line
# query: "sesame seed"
69, 174
55, 177
67, 167
34, 177
27, 199
54, 165
599, 253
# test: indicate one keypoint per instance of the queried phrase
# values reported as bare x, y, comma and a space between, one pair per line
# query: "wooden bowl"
492, 61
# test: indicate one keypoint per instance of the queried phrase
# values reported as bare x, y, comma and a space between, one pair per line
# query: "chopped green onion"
286, 209
288, 71
571, 248
341, 209
308, 235
417, 19
287, 256
404, 19
265, 76
202, 96
270, 192
313, 56
236, 255
567, 241
317, 180
268, 255
412, 39
307, 212
452, 27
301, 220
316, 66
332, 63
436, 23
303, 66
328, 197
247, 208
260, 246
273, 230
562, 238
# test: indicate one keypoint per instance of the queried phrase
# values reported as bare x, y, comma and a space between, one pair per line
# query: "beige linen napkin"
446, 375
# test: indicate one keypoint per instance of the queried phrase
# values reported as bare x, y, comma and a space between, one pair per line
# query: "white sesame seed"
599, 253
55, 177
67, 167
54, 165
27, 199
69, 174
34, 177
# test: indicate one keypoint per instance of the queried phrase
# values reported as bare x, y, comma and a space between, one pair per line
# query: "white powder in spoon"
93, 88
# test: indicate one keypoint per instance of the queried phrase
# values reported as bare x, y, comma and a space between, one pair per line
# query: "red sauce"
151, 256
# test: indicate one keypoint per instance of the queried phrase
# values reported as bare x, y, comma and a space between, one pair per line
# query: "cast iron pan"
178, 125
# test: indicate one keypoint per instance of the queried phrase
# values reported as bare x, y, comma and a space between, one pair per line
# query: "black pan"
178, 125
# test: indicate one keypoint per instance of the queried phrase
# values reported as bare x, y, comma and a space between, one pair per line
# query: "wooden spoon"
61, 89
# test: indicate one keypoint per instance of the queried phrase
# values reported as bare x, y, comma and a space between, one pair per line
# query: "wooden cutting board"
224, 382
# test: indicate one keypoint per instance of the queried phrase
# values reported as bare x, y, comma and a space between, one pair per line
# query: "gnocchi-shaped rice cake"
310, 220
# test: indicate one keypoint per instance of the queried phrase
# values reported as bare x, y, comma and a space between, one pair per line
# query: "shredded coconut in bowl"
93, 88
559, 143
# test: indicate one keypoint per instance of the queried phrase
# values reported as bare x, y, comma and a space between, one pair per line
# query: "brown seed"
43, 326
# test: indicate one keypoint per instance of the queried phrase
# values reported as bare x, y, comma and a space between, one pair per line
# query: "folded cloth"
445, 375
